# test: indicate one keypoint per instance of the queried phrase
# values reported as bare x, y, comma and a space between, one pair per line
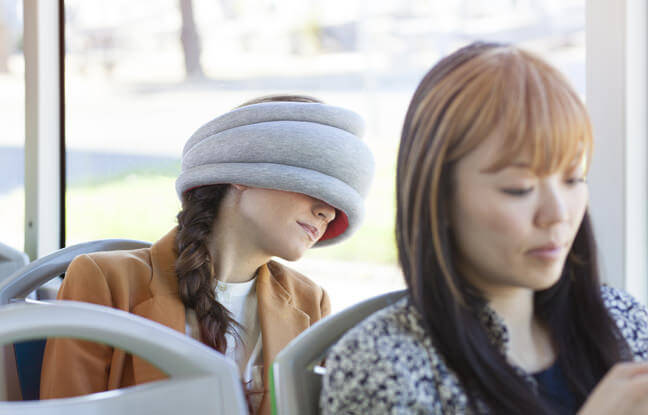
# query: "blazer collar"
163, 258
164, 306
281, 321
279, 318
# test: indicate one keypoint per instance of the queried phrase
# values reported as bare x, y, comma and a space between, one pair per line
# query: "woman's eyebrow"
520, 165
517, 165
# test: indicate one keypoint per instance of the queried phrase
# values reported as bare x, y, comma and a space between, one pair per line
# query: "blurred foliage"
148, 206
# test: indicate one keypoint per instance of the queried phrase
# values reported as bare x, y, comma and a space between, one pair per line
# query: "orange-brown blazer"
144, 282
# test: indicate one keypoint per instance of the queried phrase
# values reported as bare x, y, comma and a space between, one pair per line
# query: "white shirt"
241, 301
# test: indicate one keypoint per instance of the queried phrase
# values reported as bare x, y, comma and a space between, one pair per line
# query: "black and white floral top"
388, 365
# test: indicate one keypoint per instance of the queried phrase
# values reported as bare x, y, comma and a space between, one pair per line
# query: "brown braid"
199, 210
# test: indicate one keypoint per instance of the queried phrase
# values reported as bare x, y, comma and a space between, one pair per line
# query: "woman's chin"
546, 282
290, 254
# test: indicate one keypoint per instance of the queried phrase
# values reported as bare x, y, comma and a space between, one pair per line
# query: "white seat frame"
296, 371
202, 380
18, 286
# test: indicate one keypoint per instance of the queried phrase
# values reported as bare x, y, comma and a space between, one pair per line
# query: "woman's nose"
553, 209
324, 211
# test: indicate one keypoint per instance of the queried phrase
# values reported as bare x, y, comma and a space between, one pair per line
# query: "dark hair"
200, 208
282, 98
475, 91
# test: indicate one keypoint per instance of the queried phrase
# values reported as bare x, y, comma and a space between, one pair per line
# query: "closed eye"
518, 191
576, 180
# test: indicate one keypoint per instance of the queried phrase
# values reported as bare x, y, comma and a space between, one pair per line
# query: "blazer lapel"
280, 320
164, 306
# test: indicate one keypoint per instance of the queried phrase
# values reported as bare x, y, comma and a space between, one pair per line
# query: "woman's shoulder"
621, 304
107, 271
399, 319
293, 281
391, 331
630, 316
306, 295
107, 262
384, 364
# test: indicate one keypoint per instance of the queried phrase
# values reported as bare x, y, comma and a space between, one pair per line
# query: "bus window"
142, 76
12, 120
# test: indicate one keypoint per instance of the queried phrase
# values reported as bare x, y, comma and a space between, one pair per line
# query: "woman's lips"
311, 231
546, 252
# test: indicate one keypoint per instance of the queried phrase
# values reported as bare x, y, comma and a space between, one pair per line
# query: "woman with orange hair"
505, 312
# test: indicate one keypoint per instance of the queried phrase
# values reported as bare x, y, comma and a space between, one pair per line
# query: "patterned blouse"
388, 365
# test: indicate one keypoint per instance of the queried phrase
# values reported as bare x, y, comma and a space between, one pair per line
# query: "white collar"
235, 289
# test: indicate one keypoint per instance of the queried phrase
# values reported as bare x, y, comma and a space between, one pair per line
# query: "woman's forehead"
496, 154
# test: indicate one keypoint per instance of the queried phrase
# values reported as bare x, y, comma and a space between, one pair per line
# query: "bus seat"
20, 364
11, 260
202, 380
296, 373
29, 359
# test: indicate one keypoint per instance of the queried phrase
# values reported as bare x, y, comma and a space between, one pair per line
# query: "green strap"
273, 396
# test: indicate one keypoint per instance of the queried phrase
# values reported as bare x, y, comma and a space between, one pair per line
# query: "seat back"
29, 359
11, 260
173, 396
296, 374
202, 380
20, 365
25, 280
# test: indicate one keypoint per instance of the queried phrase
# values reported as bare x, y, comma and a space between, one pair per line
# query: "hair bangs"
542, 121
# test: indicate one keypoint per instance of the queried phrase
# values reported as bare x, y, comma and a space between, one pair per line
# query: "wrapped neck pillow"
308, 148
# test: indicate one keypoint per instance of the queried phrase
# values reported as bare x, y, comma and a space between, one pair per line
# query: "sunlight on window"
142, 76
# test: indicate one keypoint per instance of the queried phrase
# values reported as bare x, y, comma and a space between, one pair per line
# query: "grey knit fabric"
306, 148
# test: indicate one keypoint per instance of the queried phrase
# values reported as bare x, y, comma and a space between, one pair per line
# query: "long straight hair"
481, 90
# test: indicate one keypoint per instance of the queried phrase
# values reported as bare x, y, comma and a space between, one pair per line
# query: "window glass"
12, 120
137, 88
